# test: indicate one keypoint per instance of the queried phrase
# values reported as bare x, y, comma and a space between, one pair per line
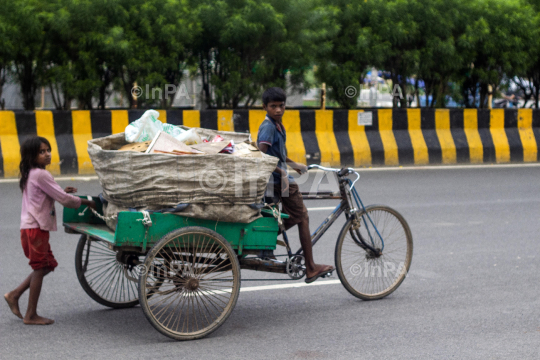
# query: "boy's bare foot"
13, 305
37, 320
320, 270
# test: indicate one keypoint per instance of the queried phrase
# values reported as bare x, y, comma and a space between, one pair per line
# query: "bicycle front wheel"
368, 275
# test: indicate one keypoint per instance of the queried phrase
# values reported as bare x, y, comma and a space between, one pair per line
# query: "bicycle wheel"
367, 275
103, 277
200, 283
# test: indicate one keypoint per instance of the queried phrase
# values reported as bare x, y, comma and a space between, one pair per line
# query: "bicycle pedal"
328, 274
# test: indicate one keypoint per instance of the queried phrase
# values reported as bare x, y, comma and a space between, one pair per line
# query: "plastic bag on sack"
174, 131
148, 126
145, 128
190, 137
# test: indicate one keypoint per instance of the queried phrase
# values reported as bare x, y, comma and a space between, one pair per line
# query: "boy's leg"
305, 242
294, 206
31, 317
312, 269
12, 297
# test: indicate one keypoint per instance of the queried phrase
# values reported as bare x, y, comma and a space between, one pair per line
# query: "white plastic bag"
145, 128
190, 137
148, 126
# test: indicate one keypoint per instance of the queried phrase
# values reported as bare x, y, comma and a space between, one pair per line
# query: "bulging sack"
210, 183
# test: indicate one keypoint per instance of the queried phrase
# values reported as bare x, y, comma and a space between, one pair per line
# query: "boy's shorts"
35, 243
292, 205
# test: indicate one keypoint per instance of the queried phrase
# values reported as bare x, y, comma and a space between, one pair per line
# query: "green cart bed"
131, 233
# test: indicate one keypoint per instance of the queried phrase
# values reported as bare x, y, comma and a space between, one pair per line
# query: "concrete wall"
332, 137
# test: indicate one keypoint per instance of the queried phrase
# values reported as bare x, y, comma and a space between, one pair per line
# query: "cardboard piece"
176, 152
211, 148
166, 144
138, 147
246, 149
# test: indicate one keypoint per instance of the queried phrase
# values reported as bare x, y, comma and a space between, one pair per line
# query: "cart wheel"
199, 279
103, 277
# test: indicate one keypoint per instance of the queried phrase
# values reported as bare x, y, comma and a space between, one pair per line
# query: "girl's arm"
89, 203
73, 190
50, 187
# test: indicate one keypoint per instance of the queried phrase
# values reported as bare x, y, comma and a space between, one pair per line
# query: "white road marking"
322, 208
272, 287
444, 224
288, 286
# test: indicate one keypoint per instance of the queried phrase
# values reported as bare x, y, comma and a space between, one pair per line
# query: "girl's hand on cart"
70, 190
90, 203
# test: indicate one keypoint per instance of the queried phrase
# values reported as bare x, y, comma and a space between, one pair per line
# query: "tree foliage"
83, 50
247, 45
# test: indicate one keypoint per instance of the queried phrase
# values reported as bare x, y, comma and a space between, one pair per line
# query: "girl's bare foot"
13, 304
37, 320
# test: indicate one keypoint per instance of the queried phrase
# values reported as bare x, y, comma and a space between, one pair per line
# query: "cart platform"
260, 234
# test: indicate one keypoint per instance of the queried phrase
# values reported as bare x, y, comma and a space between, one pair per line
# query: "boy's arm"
300, 168
284, 176
264, 148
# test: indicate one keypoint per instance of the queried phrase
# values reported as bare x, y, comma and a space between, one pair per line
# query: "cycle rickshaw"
185, 272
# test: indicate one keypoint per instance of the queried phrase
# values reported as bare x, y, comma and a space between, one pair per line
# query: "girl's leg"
12, 297
31, 317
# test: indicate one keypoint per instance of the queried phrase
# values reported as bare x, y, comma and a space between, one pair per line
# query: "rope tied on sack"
104, 218
98, 215
276, 212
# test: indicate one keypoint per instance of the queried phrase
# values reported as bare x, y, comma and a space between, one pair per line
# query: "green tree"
442, 24
529, 80
85, 45
248, 45
343, 66
96, 44
159, 36
499, 39
26, 25
397, 41
6, 54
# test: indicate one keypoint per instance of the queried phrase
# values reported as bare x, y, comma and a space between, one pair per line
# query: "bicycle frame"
348, 196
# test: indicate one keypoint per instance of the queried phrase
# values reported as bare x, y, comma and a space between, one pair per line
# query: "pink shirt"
38, 201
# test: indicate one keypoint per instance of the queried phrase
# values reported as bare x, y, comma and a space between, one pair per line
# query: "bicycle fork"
353, 215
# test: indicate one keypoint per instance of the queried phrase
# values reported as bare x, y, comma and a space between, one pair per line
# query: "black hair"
274, 94
29, 152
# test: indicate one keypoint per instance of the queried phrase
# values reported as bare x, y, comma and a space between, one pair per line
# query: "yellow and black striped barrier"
332, 137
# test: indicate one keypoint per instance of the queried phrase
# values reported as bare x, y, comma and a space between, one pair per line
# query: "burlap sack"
219, 187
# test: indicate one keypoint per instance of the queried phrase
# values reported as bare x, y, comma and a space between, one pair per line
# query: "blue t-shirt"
275, 137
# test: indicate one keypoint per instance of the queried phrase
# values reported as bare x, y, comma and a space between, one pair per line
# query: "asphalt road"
472, 292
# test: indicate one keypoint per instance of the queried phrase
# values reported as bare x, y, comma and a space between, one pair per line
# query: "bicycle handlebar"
315, 166
339, 172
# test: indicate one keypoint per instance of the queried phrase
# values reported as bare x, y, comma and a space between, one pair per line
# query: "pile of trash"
151, 136
219, 175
